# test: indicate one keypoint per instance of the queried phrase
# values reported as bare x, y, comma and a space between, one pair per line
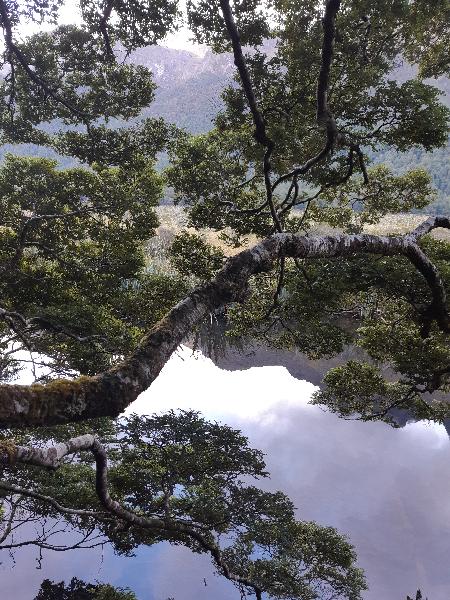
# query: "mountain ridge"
188, 94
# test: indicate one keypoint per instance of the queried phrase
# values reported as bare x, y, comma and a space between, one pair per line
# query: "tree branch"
15, 489
258, 119
103, 26
324, 115
21, 59
110, 392
23, 242
239, 61
52, 457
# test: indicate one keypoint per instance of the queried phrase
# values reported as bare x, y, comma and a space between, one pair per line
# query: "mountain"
189, 95
189, 86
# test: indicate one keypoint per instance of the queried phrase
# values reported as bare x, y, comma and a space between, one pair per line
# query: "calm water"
388, 490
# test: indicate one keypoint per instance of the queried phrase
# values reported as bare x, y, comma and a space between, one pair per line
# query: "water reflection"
389, 490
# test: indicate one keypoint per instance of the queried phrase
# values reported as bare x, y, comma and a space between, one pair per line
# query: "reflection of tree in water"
417, 597
80, 590
233, 353
179, 478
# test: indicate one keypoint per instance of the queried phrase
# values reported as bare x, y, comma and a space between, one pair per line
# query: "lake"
387, 489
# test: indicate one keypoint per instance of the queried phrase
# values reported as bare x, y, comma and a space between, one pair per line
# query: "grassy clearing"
173, 220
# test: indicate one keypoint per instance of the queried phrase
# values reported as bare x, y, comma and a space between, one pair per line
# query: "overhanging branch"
110, 392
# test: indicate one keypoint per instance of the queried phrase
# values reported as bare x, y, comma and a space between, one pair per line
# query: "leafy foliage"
79, 590
186, 470
73, 262
190, 255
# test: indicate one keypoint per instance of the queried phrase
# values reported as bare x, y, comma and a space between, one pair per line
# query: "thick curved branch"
258, 119
324, 115
110, 392
103, 26
239, 61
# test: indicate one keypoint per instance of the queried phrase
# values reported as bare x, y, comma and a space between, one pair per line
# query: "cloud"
387, 489
190, 380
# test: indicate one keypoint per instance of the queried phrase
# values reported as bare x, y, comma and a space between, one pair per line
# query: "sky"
388, 490
69, 14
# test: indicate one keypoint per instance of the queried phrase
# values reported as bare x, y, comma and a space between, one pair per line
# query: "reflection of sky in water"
389, 490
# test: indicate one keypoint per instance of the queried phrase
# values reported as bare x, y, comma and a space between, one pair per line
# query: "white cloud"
190, 380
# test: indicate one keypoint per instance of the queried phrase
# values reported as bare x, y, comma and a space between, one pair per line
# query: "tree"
288, 151
179, 478
292, 136
79, 590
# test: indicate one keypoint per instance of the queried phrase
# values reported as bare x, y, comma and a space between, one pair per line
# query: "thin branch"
22, 60
84, 543
9, 525
29, 223
279, 288
43, 324
15, 489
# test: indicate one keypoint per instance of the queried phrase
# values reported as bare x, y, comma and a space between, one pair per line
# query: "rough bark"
110, 392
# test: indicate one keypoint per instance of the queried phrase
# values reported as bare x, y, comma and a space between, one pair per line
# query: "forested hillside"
188, 94
189, 87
